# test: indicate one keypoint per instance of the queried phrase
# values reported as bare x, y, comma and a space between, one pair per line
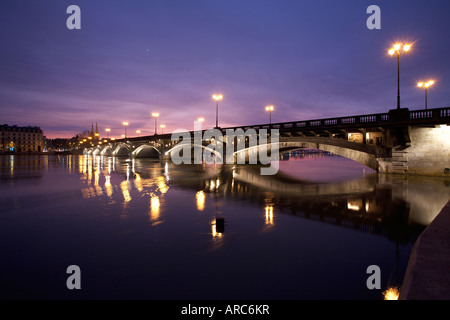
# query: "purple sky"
310, 59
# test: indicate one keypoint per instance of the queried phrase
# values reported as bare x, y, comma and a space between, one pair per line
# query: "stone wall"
429, 153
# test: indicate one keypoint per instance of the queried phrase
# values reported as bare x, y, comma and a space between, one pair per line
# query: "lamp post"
138, 132
426, 85
125, 124
217, 97
155, 115
399, 50
270, 109
199, 123
108, 130
162, 128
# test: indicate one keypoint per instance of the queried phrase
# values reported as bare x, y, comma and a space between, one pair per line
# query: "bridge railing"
330, 122
419, 116
430, 116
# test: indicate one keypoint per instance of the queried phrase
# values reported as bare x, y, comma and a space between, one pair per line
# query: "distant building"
94, 135
61, 144
21, 139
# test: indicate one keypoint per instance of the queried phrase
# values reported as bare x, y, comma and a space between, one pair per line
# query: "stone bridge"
400, 141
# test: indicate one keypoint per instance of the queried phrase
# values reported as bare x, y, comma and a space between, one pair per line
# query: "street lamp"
217, 97
426, 85
162, 128
200, 120
198, 124
138, 132
399, 49
270, 109
108, 130
155, 115
125, 124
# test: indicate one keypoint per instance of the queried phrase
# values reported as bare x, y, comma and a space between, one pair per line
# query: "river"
145, 229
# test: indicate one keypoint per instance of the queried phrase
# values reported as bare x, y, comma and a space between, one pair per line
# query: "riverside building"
14, 139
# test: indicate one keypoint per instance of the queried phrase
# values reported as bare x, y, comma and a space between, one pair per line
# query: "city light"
391, 293
125, 124
162, 128
397, 49
108, 130
426, 85
155, 115
270, 109
217, 97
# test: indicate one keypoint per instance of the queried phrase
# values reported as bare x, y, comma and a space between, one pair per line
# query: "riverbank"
427, 276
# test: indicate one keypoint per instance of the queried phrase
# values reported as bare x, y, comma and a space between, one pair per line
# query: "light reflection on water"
144, 229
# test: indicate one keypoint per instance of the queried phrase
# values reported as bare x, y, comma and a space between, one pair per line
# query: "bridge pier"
426, 153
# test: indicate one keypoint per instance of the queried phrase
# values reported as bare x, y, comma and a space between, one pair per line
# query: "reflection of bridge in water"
378, 204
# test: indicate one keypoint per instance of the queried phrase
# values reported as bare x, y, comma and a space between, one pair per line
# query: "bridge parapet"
394, 117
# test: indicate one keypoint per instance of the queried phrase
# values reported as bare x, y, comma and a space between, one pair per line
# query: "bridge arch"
192, 147
107, 151
146, 151
364, 154
367, 155
122, 150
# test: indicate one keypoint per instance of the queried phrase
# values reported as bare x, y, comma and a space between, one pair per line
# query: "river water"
145, 229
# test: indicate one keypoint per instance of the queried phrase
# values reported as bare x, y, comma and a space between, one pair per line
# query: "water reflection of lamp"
138, 182
200, 197
212, 185
154, 208
161, 183
166, 171
108, 185
125, 192
269, 214
214, 231
11, 163
218, 224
